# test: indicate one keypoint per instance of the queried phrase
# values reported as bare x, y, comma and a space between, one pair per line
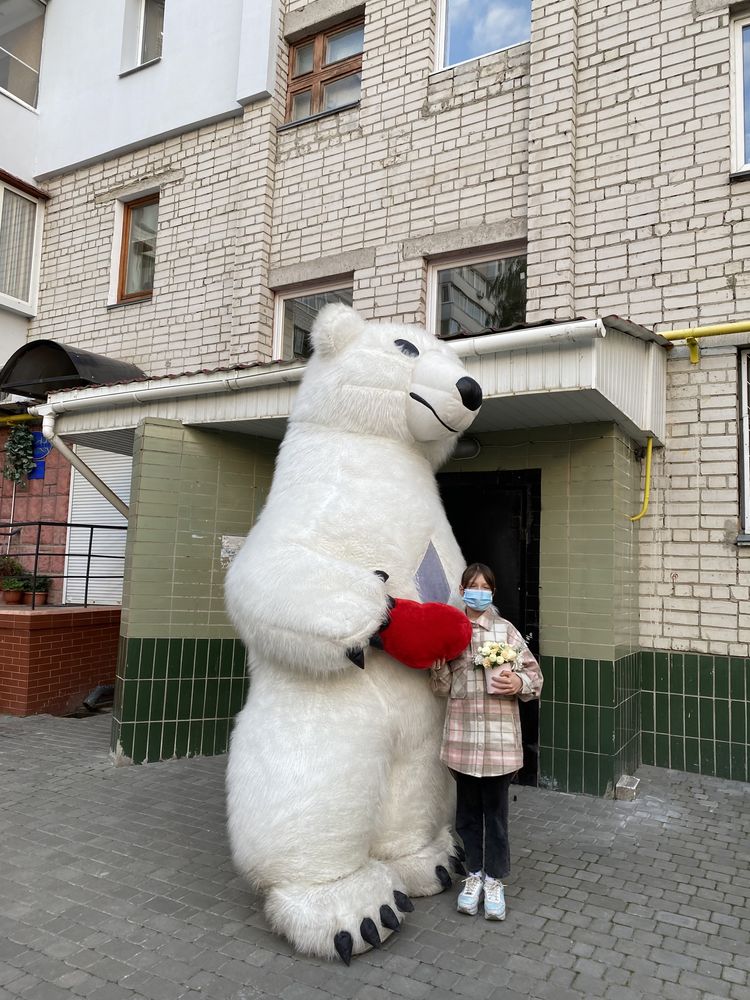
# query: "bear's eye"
406, 347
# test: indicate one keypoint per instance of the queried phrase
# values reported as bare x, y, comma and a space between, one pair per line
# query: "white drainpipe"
521, 340
48, 429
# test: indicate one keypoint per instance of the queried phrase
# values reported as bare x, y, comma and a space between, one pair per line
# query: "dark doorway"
495, 518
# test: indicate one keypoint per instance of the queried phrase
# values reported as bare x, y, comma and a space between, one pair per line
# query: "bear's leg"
414, 832
301, 809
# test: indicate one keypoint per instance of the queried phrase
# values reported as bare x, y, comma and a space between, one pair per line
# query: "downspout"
48, 429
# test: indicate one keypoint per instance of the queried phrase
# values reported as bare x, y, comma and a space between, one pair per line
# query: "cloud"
479, 26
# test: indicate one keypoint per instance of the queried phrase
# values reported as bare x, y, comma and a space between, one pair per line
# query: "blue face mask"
477, 600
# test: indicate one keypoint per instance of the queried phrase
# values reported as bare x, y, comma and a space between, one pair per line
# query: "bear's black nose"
471, 392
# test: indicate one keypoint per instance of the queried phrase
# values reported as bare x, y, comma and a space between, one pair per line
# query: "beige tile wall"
190, 487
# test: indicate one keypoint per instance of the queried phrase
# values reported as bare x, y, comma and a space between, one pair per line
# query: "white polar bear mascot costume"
339, 807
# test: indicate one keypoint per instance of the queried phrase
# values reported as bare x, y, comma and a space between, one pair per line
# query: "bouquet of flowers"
493, 656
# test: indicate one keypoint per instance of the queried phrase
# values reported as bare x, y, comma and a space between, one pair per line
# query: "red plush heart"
418, 634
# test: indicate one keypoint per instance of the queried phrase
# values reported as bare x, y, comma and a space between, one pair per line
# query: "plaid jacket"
482, 734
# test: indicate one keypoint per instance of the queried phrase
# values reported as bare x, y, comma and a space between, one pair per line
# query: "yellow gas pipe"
691, 336
647, 487
19, 418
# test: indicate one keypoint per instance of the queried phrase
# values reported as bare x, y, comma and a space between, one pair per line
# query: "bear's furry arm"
302, 610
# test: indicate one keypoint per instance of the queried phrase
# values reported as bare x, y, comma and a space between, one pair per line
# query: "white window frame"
8, 93
141, 29
744, 374
132, 37
297, 292
459, 259
26, 307
737, 85
441, 26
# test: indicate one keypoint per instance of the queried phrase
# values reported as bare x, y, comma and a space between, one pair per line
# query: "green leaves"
19, 455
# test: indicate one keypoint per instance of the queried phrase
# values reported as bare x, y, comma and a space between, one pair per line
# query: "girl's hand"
439, 665
506, 682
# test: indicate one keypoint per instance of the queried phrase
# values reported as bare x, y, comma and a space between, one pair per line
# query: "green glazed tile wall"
589, 726
695, 713
177, 697
190, 487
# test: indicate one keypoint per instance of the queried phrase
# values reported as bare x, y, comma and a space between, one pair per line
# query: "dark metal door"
495, 518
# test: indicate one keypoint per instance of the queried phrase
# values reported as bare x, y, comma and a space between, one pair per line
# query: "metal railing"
43, 550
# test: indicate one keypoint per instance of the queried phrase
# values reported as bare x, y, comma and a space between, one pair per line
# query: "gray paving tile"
117, 884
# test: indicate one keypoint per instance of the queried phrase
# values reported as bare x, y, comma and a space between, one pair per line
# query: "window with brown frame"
138, 250
325, 71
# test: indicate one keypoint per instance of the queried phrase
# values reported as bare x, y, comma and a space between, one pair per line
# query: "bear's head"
386, 380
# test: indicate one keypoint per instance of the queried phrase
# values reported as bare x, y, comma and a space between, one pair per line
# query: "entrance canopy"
564, 373
45, 366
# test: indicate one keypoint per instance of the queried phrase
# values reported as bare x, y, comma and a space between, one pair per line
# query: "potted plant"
36, 590
13, 588
11, 567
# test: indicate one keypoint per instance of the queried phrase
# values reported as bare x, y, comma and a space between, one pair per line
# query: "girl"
482, 741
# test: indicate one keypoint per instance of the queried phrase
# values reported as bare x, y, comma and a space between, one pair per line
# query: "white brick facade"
605, 143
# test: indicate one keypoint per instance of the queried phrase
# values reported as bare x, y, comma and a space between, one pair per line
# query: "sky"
478, 26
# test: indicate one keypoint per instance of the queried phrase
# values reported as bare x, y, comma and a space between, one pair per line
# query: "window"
325, 71
295, 315
151, 30
471, 28
21, 30
741, 85
477, 295
20, 239
138, 248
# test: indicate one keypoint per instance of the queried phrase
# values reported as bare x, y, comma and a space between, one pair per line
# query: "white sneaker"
494, 899
468, 898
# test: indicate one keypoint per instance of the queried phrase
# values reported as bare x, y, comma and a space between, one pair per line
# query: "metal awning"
579, 372
44, 366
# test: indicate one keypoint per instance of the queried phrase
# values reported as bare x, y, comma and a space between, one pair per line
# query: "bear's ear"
336, 326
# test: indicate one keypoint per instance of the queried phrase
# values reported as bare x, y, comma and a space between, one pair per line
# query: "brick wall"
695, 581
51, 658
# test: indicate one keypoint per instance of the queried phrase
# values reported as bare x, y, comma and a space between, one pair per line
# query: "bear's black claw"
382, 574
369, 932
376, 642
357, 657
343, 944
457, 866
389, 919
402, 901
459, 852
443, 877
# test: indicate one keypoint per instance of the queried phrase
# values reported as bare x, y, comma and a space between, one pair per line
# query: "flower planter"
41, 597
12, 596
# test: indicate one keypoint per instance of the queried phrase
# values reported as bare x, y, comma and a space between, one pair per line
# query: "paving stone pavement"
116, 883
